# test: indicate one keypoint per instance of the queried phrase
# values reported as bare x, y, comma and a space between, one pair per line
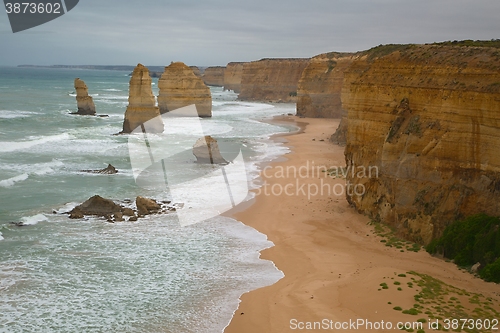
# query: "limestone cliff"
320, 86
214, 76
232, 76
428, 117
141, 103
196, 70
85, 103
180, 87
273, 80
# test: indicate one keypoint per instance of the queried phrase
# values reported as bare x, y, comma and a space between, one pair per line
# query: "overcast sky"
214, 32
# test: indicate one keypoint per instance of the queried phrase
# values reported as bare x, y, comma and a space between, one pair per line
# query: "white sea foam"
66, 208
32, 220
31, 168
12, 114
112, 89
12, 181
1, 236
39, 169
7, 146
111, 97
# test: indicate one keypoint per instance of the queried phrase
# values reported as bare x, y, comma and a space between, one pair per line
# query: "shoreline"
332, 261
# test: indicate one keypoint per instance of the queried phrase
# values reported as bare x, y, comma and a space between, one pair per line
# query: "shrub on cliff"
475, 239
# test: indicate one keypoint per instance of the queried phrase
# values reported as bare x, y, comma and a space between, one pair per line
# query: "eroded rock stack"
141, 104
180, 87
84, 102
428, 118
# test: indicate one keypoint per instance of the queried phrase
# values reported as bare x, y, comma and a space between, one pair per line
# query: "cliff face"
196, 71
180, 87
320, 86
428, 118
233, 75
85, 103
141, 103
273, 80
214, 76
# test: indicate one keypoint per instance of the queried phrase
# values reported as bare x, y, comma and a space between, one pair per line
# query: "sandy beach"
334, 263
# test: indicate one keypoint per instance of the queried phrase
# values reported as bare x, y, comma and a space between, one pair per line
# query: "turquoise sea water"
61, 275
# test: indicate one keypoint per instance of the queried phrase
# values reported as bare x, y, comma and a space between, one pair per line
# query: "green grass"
474, 239
472, 43
438, 300
390, 240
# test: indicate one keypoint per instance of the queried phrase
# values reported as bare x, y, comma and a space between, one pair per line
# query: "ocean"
87, 275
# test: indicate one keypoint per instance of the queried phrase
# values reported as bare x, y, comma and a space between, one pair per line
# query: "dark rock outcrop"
97, 206
146, 206
109, 170
113, 212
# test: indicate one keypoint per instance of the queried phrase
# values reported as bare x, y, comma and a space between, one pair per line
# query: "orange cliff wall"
320, 86
271, 80
233, 75
214, 76
428, 117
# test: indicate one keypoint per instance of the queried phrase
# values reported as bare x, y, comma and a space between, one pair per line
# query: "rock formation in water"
141, 104
179, 87
428, 118
97, 206
206, 150
113, 212
272, 80
214, 76
146, 206
233, 75
320, 86
84, 102
109, 170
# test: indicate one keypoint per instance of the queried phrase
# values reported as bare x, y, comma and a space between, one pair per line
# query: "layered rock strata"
214, 76
196, 71
233, 75
180, 87
85, 103
427, 120
320, 86
142, 109
272, 80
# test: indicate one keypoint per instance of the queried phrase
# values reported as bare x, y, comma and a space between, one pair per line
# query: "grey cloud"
214, 32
